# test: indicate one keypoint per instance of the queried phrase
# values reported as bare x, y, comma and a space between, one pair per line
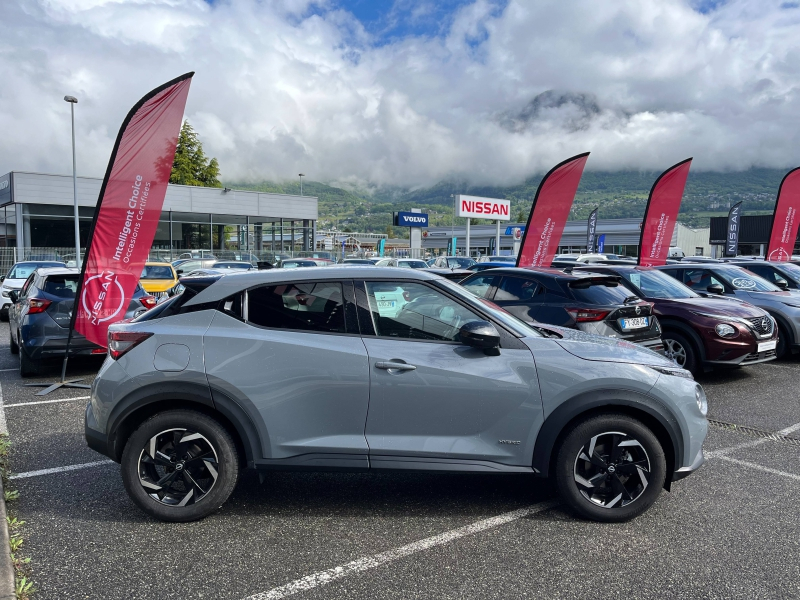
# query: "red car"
701, 332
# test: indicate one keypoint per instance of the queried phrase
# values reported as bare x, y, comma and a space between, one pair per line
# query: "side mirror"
13, 296
179, 271
716, 288
782, 283
2, 278
481, 335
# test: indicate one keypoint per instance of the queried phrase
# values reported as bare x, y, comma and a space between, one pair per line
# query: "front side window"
414, 311
306, 306
700, 279
479, 285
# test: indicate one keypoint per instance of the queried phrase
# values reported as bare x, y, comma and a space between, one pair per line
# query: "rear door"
293, 360
432, 397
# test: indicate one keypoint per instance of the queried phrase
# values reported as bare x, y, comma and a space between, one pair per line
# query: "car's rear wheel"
12, 344
27, 366
678, 348
610, 468
180, 466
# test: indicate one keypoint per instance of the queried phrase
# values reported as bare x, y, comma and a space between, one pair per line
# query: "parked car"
700, 333
785, 275
734, 281
411, 263
386, 262
497, 258
451, 274
40, 314
158, 279
291, 263
460, 386
356, 261
198, 255
453, 262
232, 264
595, 304
14, 279
320, 262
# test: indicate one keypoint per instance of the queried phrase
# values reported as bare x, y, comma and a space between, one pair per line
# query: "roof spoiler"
198, 283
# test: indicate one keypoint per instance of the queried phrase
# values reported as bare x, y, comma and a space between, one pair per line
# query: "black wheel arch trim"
687, 331
783, 324
608, 400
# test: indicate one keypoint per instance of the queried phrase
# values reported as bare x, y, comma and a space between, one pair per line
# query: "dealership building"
36, 211
621, 237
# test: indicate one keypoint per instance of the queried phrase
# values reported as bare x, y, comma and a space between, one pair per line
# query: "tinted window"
152, 272
479, 285
63, 286
414, 311
305, 306
601, 294
700, 279
654, 284
515, 289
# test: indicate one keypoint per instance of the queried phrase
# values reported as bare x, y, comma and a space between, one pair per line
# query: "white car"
412, 263
15, 278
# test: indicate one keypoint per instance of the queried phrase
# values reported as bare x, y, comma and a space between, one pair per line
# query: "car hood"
605, 349
13, 284
769, 296
725, 307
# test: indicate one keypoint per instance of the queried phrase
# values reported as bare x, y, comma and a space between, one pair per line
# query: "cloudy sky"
407, 92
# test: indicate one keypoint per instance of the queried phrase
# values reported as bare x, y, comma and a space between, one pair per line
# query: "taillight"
407, 296
582, 315
37, 305
120, 342
148, 301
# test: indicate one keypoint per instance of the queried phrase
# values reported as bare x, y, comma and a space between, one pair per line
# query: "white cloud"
298, 85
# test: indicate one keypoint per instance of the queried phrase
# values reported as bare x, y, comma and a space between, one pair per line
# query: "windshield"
24, 270
156, 272
63, 286
458, 262
790, 269
506, 318
413, 264
653, 284
741, 279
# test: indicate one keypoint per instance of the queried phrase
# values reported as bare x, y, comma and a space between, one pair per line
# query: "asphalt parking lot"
730, 531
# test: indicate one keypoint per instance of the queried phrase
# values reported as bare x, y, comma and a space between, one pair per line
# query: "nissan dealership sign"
475, 207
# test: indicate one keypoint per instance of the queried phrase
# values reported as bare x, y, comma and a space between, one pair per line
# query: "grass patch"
23, 586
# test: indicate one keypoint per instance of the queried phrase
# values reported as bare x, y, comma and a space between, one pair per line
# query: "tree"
191, 167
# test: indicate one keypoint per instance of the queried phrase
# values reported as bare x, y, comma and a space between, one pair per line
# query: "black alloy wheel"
180, 466
782, 348
610, 468
680, 350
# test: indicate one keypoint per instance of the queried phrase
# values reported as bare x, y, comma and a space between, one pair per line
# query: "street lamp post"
72, 102
301, 175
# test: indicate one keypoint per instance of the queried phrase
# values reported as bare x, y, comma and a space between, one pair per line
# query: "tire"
4, 315
13, 346
681, 350
602, 495
27, 366
782, 349
212, 470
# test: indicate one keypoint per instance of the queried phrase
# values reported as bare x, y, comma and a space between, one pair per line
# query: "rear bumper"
52, 347
96, 440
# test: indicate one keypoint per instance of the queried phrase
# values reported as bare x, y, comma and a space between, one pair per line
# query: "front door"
432, 397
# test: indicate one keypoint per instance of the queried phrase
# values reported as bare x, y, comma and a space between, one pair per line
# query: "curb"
7, 580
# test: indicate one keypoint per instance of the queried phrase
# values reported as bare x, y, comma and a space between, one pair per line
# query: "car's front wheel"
610, 468
180, 465
681, 350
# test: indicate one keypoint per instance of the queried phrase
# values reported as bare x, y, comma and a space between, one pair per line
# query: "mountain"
621, 194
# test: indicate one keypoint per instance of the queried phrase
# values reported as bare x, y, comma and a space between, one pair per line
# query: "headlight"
702, 402
674, 371
5, 293
725, 331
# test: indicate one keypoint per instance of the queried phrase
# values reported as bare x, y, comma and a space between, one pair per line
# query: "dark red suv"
699, 332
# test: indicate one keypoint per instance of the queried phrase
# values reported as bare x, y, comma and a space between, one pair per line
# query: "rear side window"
306, 306
63, 286
601, 294
515, 289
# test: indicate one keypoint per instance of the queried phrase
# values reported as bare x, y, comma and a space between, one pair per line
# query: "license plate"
635, 323
764, 346
385, 303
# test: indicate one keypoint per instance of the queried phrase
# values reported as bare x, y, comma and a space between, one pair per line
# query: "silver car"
310, 369
738, 282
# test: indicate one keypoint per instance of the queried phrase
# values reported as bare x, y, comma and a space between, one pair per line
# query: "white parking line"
4, 370
27, 474
370, 562
3, 424
745, 463
47, 401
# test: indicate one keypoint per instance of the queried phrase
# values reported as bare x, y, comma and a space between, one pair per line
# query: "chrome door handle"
395, 365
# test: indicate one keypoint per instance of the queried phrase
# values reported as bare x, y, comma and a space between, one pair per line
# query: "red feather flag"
659, 216
784, 219
129, 208
549, 212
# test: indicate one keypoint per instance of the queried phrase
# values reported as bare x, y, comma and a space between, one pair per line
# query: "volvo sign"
411, 219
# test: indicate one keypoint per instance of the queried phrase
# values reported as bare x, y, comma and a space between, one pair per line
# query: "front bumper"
686, 471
